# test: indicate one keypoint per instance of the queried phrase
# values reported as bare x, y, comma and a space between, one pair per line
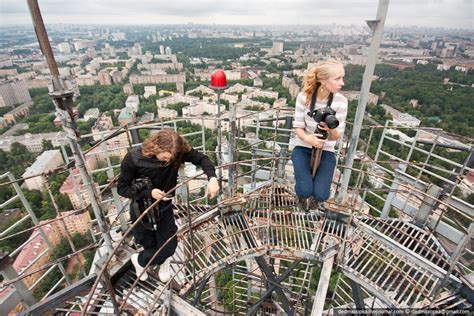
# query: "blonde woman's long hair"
169, 141
322, 71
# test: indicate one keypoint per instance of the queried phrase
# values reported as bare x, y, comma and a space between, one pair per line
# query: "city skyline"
425, 13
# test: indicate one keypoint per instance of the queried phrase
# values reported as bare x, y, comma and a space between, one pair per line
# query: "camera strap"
152, 219
312, 105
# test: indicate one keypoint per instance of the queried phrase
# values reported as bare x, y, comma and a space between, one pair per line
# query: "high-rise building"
14, 93
127, 88
64, 48
104, 78
136, 49
277, 47
168, 50
117, 76
162, 50
90, 52
81, 44
118, 36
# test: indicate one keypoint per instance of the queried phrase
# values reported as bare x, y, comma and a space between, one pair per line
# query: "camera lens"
331, 121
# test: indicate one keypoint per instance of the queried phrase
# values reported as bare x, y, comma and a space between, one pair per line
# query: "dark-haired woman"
147, 173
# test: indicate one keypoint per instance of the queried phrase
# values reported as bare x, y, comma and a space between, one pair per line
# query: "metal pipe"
377, 27
64, 103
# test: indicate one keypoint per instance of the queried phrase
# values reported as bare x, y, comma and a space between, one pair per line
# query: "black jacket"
135, 165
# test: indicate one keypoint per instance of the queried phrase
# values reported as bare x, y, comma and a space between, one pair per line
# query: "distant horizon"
362, 24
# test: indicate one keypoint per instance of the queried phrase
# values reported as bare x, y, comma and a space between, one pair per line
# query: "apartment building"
35, 253
12, 93
48, 160
75, 223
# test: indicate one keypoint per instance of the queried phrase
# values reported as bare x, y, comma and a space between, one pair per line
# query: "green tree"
178, 107
47, 145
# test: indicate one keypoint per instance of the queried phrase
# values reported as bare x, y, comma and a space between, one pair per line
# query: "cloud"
454, 13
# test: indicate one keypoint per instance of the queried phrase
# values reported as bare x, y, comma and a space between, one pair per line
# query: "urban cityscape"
128, 81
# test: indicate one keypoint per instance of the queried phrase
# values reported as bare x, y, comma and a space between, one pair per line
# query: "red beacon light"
218, 80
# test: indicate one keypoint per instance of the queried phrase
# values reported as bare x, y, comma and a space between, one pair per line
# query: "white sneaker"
138, 268
165, 271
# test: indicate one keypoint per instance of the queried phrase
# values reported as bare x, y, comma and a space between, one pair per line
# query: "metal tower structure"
398, 239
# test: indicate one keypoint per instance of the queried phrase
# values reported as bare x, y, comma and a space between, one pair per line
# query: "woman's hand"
212, 187
157, 194
314, 140
333, 134
323, 126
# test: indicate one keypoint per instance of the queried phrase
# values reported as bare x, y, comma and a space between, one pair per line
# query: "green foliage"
47, 145
42, 104
4, 110
378, 113
198, 94
105, 98
254, 108
85, 62
221, 48
122, 55
39, 123
38, 91
85, 127
17, 160
222, 278
470, 199
178, 107
101, 177
47, 283
144, 133
264, 100
453, 104
64, 248
22, 51
89, 256
274, 68
10, 244
353, 77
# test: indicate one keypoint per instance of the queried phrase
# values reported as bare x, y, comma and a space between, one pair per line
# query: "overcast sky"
431, 13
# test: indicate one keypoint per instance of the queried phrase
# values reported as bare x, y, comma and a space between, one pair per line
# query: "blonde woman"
147, 172
321, 88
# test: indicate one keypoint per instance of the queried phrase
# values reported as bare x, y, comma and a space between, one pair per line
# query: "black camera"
140, 184
326, 115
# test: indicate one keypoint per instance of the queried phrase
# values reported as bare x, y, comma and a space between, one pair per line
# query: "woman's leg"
152, 240
301, 157
324, 174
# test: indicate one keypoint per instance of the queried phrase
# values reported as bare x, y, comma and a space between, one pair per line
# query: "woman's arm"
197, 158
128, 173
311, 139
299, 123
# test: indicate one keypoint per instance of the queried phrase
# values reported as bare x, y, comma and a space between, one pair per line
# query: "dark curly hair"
169, 141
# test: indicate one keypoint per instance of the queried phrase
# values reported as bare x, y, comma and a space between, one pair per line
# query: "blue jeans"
319, 186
